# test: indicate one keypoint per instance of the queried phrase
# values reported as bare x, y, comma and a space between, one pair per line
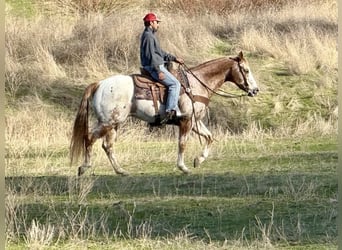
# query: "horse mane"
213, 61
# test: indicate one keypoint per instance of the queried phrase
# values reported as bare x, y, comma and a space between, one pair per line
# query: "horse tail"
81, 128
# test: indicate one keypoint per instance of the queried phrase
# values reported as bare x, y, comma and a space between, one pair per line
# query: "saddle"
146, 88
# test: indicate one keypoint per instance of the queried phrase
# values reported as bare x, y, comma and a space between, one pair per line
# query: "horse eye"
246, 71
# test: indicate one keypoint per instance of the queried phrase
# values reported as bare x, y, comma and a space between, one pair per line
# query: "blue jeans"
171, 83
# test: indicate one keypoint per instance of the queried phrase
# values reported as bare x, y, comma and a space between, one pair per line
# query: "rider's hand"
161, 76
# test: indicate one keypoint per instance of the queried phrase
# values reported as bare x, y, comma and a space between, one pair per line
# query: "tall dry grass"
91, 47
94, 45
36, 138
302, 36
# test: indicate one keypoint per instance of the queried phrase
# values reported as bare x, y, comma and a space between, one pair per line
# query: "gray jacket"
150, 52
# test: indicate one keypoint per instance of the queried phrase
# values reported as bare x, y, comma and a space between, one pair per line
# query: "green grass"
284, 186
22, 8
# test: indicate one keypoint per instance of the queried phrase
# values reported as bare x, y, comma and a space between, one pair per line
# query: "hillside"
58, 47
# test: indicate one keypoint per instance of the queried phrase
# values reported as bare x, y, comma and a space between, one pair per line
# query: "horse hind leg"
107, 146
89, 142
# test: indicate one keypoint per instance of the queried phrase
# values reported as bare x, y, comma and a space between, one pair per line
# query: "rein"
223, 94
192, 97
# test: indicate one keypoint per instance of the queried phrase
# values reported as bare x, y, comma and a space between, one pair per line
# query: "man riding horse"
117, 97
152, 60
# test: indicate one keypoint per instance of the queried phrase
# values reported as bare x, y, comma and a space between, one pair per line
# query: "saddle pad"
147, 89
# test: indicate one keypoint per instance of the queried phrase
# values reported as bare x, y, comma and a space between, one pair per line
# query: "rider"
153, 58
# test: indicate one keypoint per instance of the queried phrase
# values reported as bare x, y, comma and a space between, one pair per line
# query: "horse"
114, 100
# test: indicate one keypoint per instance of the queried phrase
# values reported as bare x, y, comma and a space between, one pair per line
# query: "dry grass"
300, 34
222, 7
37, 134
84, 7
95, 45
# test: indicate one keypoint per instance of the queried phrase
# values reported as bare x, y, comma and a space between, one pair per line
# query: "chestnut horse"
113, 101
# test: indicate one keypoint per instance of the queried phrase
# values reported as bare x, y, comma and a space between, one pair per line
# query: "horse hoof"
196, 163
121, 172
80, 171
184, 169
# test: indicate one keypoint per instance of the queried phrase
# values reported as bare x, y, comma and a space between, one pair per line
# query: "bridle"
223, 93
243, 74
188, 89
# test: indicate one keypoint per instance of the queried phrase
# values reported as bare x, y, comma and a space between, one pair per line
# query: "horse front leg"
184, 131
202, 130
107, 146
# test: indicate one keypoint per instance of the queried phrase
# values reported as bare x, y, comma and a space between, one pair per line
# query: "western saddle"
146, 88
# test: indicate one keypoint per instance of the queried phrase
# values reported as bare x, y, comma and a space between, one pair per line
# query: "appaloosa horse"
114, 99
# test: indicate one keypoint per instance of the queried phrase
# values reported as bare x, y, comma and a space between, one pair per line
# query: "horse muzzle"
253, 92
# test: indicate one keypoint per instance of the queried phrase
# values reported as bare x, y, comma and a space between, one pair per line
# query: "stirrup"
157, 121
170, 117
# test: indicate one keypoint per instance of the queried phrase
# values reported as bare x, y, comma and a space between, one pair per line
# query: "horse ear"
238, 58
240, 55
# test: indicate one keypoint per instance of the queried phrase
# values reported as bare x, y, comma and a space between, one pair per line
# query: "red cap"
150, 17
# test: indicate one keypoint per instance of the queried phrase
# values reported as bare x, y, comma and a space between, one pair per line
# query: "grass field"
270, 180
262, 193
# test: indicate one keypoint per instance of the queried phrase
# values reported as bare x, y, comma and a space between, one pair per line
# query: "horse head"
242, 76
